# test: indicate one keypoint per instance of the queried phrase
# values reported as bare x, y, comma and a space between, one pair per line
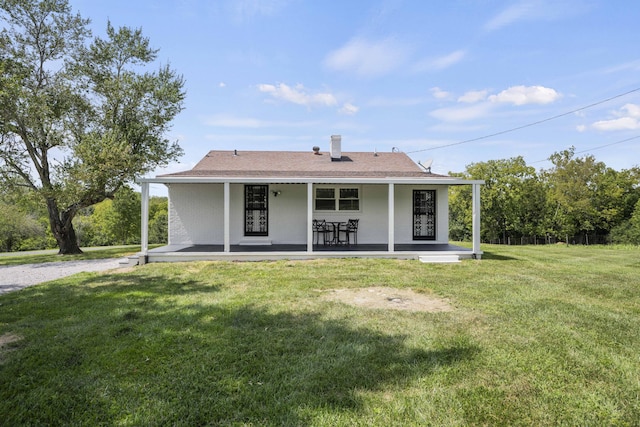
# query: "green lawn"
540, 335
36, 257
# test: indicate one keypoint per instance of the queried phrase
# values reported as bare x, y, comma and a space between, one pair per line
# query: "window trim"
337, 199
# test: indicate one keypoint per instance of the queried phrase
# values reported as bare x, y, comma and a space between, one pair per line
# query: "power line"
528, 124
595, 148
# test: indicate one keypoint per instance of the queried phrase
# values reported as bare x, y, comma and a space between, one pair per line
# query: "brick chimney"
336, 147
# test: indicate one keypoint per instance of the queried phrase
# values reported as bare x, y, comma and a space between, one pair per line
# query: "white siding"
196, 214
287, 214
372, 227
404, 214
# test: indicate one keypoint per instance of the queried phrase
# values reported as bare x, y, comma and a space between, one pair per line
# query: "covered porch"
386, 245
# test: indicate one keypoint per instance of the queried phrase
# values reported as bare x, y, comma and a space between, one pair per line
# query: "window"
325, 199
337, 199
349, 200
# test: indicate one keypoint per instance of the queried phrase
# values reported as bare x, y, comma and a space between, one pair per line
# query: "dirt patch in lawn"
389, 298
5, 344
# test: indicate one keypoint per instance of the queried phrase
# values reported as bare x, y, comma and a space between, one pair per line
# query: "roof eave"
303, 180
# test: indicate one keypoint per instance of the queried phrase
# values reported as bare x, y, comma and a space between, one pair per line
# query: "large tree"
574, 184
513, 198
77, 120
587, 196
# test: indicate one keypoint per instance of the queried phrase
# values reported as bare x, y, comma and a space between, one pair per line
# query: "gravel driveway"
13, 278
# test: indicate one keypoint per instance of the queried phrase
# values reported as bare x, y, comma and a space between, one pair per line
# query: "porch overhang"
308, 180
311, 252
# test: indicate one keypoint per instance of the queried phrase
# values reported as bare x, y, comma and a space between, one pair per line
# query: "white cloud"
522, 95
450, 59
441, 62
473, 96
513, 13
367, 58
537, 10
461, 114
623, 123
631, 110
222, 84
628, 118
476, 104
439, 93
298, 95
349, 109
627, 66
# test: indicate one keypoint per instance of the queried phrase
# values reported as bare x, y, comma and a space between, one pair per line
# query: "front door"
256, 210
424, 214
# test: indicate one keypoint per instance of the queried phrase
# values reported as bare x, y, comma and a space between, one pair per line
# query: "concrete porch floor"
299, 251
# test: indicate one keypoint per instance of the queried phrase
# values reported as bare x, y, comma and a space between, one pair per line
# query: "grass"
540, 335
37, 257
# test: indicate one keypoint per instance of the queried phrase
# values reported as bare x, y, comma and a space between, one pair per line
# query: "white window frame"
337, 188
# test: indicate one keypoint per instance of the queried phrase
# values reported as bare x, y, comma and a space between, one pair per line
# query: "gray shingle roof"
304, 165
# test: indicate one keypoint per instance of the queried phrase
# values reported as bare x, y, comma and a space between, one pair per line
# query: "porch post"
309, 217
144, 229
475, 201
227, 217
392, 221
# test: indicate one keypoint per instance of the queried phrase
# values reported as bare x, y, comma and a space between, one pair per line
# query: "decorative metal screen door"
424, 214
256, 218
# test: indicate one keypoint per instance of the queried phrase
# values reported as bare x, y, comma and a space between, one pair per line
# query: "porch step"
439, 258
129, 261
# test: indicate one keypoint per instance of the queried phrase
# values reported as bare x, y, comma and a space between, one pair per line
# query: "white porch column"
309, 217
144, 229
392, 218
227, 217
475, 201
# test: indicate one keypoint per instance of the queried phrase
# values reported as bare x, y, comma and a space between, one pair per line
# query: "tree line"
24, 223
576, 200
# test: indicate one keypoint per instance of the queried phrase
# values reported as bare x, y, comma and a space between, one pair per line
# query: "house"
250, 205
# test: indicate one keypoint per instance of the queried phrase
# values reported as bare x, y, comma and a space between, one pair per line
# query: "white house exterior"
262, 205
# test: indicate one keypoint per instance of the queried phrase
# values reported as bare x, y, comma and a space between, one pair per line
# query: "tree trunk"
62, 229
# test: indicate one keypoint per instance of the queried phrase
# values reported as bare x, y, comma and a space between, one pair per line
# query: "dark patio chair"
320, 227
350, 228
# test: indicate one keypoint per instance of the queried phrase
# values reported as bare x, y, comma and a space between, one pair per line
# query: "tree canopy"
79, 117
577, 196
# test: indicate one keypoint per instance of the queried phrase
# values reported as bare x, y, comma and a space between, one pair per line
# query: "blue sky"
418, 75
